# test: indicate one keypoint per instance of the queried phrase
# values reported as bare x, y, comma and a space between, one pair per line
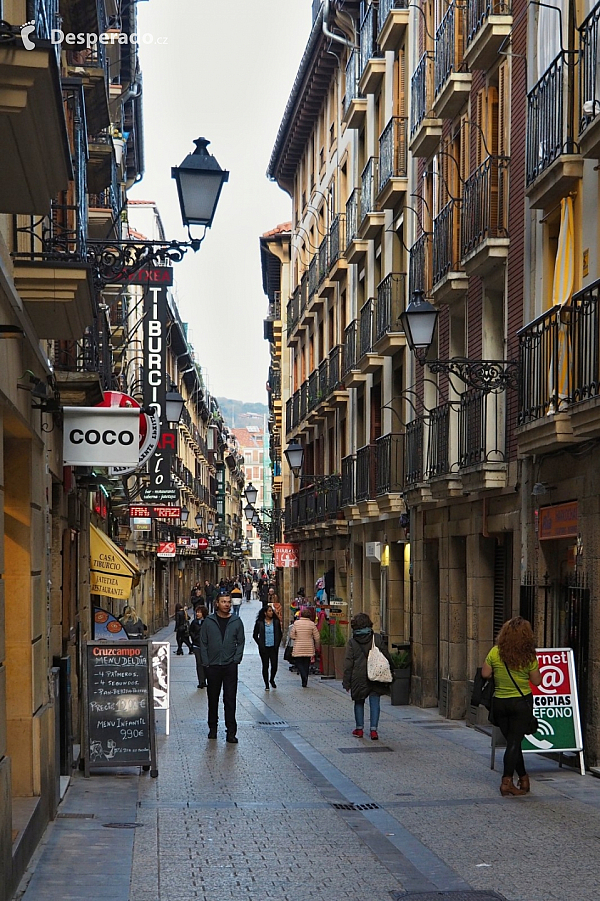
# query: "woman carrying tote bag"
356, 680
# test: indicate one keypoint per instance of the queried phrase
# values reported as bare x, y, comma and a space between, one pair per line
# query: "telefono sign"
101, 436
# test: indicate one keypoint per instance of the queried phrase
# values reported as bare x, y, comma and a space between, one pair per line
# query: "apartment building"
447, 151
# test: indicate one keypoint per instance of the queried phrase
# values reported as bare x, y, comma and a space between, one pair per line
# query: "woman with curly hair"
513, 663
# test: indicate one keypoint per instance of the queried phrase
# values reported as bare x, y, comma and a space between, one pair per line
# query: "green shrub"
400, 660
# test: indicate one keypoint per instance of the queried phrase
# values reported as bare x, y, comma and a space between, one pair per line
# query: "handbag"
533, 724
287, 654
483, 690
378, 667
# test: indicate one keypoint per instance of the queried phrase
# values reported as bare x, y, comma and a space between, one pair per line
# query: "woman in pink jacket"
306, 638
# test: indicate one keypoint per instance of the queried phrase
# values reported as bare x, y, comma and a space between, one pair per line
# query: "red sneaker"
358, 733
374, 736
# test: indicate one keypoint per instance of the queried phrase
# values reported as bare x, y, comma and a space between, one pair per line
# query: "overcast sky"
225, 74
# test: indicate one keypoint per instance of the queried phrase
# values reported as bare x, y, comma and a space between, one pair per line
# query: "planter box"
338, 662
400, 687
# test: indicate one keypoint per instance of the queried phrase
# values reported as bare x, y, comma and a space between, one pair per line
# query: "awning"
562, 291
111, 572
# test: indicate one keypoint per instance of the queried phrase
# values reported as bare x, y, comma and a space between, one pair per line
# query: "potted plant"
327, 640
401, 672
339, 651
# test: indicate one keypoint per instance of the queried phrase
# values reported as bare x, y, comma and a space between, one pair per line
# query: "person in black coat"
200, 615
355, 673
267, 635
182, 629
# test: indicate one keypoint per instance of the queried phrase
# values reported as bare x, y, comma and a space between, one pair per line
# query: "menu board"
119, 706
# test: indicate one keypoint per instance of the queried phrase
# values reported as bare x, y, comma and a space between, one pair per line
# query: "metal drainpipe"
329, 34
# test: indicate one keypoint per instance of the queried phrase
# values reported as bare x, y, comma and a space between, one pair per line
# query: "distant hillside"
233, 412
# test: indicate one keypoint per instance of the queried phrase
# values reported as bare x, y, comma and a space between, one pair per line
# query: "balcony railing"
323, 389
90, 354
413, 452
549, 115
479, 11
323, 259
386, 6
368, 39
438, 448
419, 265
293, 310
366, 317
390, 303
296, 409
45, 15
421, 89
368, 188
303, 400
585, 343
449, 40
352, 216
350, 349
274, 311
390, 464
589, 80
393, 151
445, 241
545, 358
313, 276
336, 359
337, 239
347, 481
275, 383
485, 204
366, 468
303, 293
313, 389
352, 79
481, 429
289, 415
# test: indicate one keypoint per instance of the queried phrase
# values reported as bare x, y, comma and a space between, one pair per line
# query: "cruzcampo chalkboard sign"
119, 712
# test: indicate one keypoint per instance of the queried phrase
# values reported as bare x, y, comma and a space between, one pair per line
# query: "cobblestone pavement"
300, 810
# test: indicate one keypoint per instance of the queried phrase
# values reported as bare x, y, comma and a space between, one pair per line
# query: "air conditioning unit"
373, 551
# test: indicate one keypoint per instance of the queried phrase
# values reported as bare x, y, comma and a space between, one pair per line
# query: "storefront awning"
112, 574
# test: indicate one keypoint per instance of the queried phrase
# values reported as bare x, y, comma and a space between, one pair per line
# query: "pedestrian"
222, 648
133, 625
236, 599
355, 678
513, 663
200, 615
248, 589
263, 592
277, 608
306, 638
267, 635
182, 630
195, 597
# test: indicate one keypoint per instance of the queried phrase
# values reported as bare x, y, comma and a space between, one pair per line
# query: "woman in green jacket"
513, 663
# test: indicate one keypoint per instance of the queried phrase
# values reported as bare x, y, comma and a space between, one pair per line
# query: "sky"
225, 74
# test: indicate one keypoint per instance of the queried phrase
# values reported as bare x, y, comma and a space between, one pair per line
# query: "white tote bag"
378, 668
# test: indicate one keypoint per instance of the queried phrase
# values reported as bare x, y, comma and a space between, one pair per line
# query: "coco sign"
101, 437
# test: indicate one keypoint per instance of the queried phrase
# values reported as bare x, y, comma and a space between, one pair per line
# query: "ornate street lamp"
248, 511
210, 526
251, 494
184, 515
199, 181
294, 454
174, 404
198, 520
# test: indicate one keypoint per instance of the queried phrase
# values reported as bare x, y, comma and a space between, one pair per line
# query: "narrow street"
300, 810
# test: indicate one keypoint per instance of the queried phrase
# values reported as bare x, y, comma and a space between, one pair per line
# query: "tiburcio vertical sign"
155, 377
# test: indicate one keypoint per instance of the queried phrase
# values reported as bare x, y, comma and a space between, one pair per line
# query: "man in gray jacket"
221, 650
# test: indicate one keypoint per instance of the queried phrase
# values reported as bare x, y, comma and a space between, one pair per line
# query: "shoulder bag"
533, 724
483, 690
378, 667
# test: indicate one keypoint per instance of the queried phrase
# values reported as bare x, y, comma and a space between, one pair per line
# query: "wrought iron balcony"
91, 354
413, 453
323, 257
289, 414
446, 240
390, 303
366, 469
323, 385
368, 191
303, 400
336, 359
589, 85
352, 216
369, 48
303, 293
550, 136
542, 390
484, 214
438, 446
393, 151
366, 328
389, 464
293, 310
419, 270
355, 105
274, 383
481, 429
421, 90
452, 83
313, 276
392, 21
350, 348
337, 239
348, 466
313, 390
296, 409
488, 24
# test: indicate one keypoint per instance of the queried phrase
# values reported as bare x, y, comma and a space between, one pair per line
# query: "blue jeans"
374, 707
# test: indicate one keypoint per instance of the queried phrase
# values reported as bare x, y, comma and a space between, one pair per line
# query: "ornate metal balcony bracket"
481, 375
114, 261
322, 483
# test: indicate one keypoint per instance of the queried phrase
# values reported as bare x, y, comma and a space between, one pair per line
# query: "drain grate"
273, 724
447, 896
372, 749
351, 806
75, 816
122, 825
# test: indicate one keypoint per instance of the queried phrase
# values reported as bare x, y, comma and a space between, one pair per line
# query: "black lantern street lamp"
251, 494
174, 404
419, 322
210, 527
199, 181
248, 511
294, 454
198, 520
184, 515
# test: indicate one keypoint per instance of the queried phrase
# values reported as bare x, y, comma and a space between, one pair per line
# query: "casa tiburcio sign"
155, 381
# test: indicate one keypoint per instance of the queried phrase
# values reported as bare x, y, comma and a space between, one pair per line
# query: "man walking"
222, 648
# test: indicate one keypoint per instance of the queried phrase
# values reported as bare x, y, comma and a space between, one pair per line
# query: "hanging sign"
149, 429
147, 275
558, 521
203, 543
286, 555
183, 541
100, 437
166, 549
140, 511
556, 704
